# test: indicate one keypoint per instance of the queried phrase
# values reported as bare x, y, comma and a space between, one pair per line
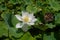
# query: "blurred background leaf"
2, 7
49, 37
3, 29
57, 18
54, 4
27, 36
11, 26
50, 25
31, 9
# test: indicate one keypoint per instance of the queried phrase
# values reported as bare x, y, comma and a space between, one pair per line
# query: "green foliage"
49, 37
54, 4
2, 7
26, 36
50, 25
3, 29
42, 30
57, 18
31, 8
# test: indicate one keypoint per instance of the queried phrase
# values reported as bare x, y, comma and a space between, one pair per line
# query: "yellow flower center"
26, 19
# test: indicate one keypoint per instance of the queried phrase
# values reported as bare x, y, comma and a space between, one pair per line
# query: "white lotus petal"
30, 15
18, 17
24, 13
31, 23
33, 20
19, 25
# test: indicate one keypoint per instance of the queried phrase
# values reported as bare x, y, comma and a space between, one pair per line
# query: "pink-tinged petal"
19, 17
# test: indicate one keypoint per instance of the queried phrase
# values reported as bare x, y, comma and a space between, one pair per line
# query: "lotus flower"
26, 18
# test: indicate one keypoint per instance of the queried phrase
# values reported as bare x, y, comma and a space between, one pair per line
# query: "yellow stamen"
26, 19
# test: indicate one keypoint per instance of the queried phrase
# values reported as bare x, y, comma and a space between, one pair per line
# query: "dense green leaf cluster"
47, 13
